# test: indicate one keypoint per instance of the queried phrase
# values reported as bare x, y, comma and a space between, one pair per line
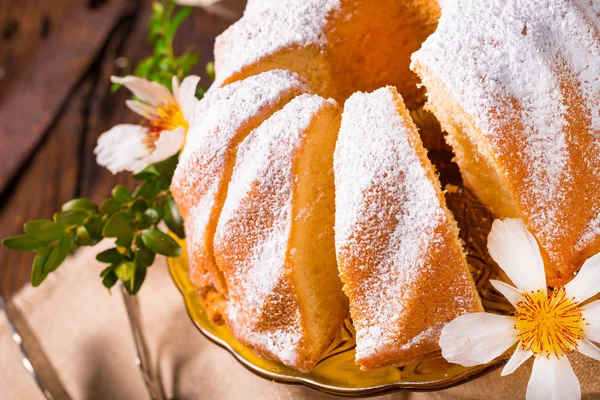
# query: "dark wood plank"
50, 180
24, 27
39, 91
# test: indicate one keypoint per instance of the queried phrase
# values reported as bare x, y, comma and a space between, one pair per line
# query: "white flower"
161, 133
546, 326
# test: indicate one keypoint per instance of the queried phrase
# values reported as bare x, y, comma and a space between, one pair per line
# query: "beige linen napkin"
86, 336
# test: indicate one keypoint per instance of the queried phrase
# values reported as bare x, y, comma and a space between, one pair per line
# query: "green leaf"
110, 279
111, 256
173, 218
144, 67
174, 24
120, 225
200, 92
122, 194
124, 242
22, 243
166, 168
115, 87
170, 8
94, 227
139, 205
149, 218
38, 273
137, 280
110, 206
80, 205
144, 256
186, 61
147, 173
71, 217
148, 189
157, 10
83, 237
210, 70
45, 230
161, 243
163, 169
125, 270
106, 271
59, 253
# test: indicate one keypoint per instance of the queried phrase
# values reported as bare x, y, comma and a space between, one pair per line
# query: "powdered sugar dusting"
217, 118
387, 213
268, 26
512, 66
254, 230
223, 110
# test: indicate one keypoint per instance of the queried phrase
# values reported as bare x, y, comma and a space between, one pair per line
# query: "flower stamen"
168, 117
549, 324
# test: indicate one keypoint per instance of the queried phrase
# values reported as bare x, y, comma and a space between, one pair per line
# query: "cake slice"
397, 244
517, 87
275, 241
222, 120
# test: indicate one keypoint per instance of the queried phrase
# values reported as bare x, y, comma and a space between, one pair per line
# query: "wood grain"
42, 86
62, 165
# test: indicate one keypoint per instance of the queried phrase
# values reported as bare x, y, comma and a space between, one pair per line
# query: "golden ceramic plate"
337, 373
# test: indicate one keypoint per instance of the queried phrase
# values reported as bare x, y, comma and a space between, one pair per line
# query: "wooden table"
56, 58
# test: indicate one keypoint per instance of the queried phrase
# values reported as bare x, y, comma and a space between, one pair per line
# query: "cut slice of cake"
517, 87
222, 120
397, 244
275, 241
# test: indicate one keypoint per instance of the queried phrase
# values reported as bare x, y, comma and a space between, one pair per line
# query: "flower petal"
121, 148
477, 338
591, 314
553, 379
517, 359
141, 109
513, 295
515, 250
186, 96
168, 144
196, 3
175, 87
587, 282
150, 92
589, 349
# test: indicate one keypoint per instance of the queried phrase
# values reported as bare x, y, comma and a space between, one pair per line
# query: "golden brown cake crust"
397, 244
340, 46
274, 307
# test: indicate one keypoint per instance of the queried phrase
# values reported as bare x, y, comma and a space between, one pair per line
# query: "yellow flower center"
169, 117
549, 324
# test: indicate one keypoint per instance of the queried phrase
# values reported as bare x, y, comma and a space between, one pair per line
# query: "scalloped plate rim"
471, 374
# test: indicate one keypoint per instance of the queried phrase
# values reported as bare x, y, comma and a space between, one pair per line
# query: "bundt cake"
339, 46
397, 244
222, 120
274, 241
516, 84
